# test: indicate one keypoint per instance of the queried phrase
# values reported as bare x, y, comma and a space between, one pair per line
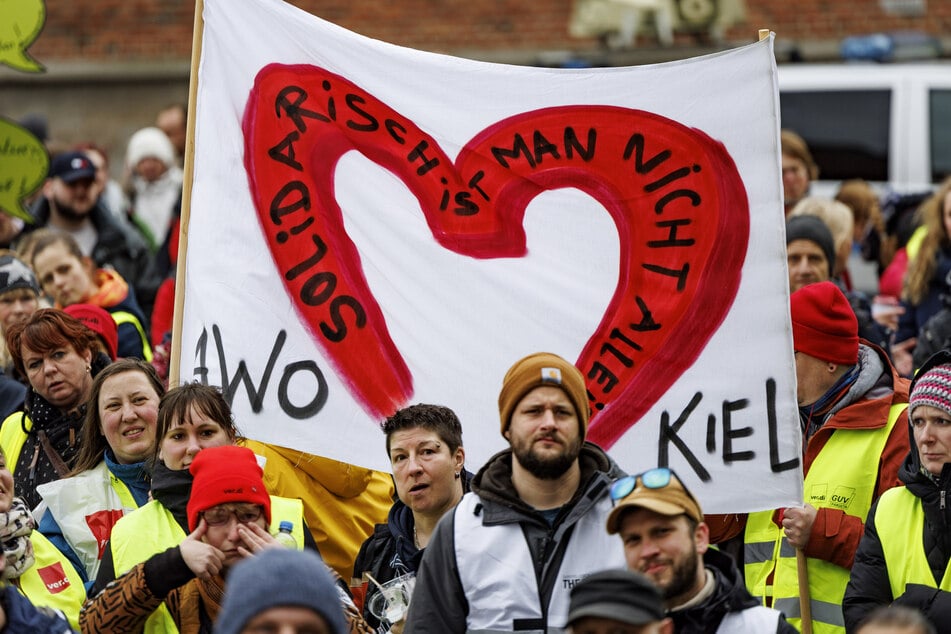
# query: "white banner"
374, 226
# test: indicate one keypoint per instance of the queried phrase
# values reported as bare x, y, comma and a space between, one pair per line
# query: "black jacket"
122, 249
729, 596
869, 585
390, 551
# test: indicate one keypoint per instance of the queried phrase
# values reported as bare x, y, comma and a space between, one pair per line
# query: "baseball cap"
620, 595
71, 167
658, 490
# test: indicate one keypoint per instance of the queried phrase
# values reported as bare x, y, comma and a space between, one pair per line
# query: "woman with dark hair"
109, 477
60, 357
424, 444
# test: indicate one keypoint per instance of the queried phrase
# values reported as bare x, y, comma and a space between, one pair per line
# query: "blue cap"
71, 167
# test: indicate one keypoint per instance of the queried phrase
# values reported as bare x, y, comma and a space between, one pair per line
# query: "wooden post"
174, 365
805, 608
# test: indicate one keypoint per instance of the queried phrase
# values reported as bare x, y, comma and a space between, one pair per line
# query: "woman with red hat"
229, 512
192, 419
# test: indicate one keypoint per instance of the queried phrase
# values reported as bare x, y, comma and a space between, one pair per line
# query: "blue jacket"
25, 618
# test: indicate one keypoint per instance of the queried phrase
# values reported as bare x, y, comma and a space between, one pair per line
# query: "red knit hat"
226, 474
99, 321
824, 325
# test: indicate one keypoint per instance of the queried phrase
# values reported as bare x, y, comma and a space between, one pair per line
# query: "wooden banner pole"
174, 366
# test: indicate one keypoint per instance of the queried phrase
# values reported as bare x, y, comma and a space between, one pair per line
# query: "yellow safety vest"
52, 581
900, 524
152, 529
842, 477
12, 437
84, 506
125, 317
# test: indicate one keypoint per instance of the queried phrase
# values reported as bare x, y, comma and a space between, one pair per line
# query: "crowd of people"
129, 506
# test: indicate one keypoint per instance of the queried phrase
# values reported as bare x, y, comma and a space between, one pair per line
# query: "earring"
88, 369
457, 475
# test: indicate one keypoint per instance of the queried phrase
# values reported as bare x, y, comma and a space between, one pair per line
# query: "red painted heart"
676, 198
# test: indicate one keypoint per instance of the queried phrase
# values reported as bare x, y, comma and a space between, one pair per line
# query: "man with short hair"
71, 203
506, 557
617, 602
810, 251
664, 537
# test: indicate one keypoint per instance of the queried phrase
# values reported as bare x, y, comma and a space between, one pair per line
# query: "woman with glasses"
228, 515
192, 418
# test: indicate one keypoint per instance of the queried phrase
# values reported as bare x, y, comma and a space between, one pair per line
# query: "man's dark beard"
547, 468
68, 212
685, 575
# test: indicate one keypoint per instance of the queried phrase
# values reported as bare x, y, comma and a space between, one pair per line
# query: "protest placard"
373, 226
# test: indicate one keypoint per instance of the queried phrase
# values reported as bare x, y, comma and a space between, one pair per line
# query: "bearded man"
664, 536
72, 202
505, 559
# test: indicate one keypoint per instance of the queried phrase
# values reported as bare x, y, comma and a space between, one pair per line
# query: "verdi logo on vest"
841, 497
101, 523
54, 577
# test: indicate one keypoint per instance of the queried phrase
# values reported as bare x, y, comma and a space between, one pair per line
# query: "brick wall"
112, 64
128, 30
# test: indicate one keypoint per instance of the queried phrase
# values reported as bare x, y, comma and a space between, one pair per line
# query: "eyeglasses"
221, 515
657, 478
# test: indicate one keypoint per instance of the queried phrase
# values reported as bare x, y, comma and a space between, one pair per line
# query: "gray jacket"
439, 604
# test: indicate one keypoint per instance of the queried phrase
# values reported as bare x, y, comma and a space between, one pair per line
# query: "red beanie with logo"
226, 474
824, 325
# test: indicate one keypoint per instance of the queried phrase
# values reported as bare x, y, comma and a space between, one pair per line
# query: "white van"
886, 123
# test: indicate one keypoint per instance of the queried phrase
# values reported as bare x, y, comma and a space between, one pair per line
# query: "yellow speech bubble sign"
23, 167
20, 23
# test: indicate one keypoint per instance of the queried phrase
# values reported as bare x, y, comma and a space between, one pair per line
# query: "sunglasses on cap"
657, 478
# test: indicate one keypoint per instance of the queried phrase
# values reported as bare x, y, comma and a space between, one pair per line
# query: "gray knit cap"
813, 229
275, 578
14, 274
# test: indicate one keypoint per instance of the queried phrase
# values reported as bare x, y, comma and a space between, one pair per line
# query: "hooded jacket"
116, 246
869, 585
439, 602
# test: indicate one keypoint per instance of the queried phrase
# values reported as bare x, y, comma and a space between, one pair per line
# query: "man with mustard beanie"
852, 407
507, 556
